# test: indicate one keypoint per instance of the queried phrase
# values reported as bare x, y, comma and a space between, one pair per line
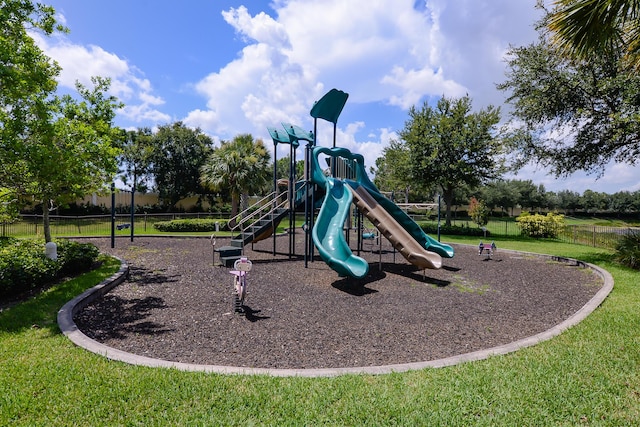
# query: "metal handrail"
270, 206
238, 216
282, 204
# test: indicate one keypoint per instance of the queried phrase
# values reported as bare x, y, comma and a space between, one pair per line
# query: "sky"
232, 67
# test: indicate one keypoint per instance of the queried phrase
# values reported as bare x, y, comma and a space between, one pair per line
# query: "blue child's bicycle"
240, 269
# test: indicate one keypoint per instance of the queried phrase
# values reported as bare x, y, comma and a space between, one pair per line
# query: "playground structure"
332, 190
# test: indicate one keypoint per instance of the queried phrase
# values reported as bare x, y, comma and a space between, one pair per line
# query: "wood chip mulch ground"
177, 306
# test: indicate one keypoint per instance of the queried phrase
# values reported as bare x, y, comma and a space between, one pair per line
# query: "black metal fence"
94, 225
591, 235
100, 225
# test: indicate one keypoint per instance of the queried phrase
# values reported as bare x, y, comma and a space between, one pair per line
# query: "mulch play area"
177, 306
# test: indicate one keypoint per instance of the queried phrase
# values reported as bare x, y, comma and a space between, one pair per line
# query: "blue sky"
231, 67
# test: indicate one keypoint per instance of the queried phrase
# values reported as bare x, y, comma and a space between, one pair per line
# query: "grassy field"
589, 375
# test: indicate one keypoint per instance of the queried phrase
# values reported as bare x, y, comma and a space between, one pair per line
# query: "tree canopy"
393, 170
177, 155
450, 146
53, 149
27, 81
569, 114
77, 156
135, 159
584, 28
240, 166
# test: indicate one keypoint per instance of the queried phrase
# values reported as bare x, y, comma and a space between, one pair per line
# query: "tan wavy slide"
394, 232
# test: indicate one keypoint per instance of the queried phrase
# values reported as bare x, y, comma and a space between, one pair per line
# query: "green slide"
328, 234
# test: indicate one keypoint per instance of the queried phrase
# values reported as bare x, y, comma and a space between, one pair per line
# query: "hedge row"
453, 230
191, 225
24, 266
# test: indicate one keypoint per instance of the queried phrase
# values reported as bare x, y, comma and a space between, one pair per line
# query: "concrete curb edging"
70, 329
69, 310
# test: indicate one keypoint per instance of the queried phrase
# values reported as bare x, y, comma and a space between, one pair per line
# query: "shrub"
628, 250
190, 225
549, 225
478, 212
75, 257
24, 266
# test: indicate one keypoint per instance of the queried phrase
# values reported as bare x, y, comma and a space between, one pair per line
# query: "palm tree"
586, 27
240, 166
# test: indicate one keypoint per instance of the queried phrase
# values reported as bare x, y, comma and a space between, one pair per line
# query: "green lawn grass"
589, 375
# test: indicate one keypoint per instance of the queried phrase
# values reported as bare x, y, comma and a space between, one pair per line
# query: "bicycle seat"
243, 264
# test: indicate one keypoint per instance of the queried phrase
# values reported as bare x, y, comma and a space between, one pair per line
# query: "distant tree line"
505, 195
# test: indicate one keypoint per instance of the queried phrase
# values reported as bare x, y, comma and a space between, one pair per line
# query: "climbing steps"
260, 229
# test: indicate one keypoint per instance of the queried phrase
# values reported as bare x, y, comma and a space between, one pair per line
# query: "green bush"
190, 225
24, 266
549, 225
75, 257
628, 250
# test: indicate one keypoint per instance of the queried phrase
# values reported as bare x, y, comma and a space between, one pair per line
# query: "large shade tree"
27, 85
178, 152
570, 114
393, 171
240, 166
450, 146
135, 159
77, 156
53, 150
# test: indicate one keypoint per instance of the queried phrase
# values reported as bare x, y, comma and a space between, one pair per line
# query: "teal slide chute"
327, 232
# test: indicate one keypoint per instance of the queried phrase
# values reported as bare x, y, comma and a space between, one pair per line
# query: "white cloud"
80, 63
416, 83
261, 28
393, 52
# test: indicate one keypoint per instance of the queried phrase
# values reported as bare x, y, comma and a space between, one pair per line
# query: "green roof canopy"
281, 137
297, 133
330, 106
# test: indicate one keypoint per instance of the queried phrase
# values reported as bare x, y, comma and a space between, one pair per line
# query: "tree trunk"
45, 223
234, 208
447, 196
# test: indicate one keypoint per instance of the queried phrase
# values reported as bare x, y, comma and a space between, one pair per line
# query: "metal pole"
113, 215
295, 195
438, 217
133, 192
313, 212
292, 197
359, 230
335, 126
275, 192
305, 226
